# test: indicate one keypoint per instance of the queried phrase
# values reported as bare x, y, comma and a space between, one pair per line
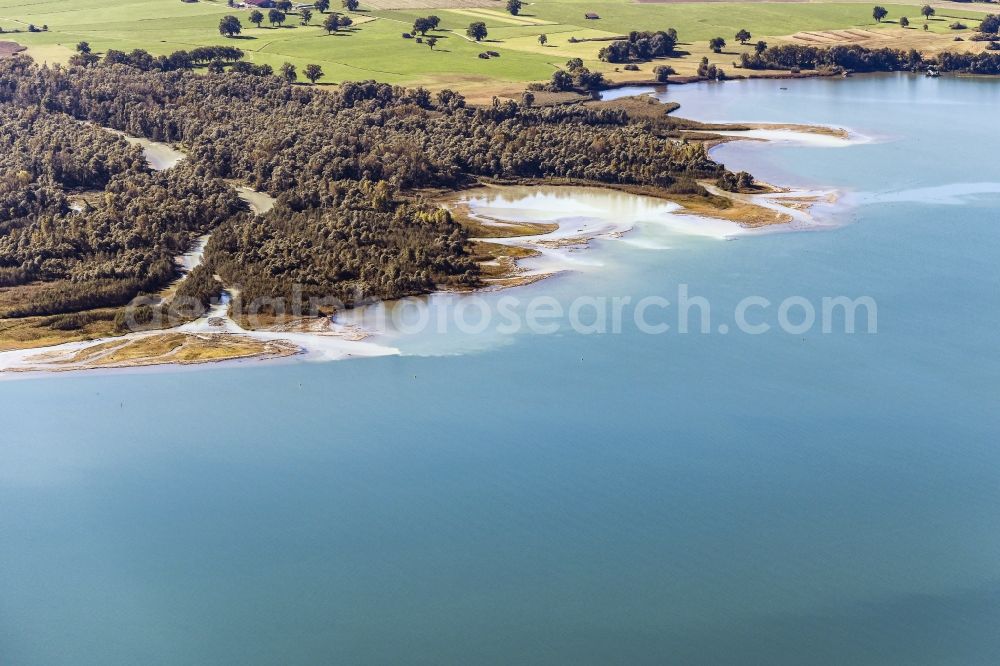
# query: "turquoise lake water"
571, 499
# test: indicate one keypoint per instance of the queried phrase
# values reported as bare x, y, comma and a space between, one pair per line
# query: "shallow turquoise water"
690, 499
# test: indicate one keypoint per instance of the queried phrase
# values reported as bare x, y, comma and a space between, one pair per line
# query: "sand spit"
818, 136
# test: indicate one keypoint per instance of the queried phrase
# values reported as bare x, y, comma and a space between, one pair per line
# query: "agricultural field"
373, 48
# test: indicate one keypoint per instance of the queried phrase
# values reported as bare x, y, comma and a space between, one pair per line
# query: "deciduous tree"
663, 72
477, 31
313, 72
422, 25
229, 26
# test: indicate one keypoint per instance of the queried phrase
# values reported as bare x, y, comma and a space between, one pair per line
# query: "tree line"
862, 59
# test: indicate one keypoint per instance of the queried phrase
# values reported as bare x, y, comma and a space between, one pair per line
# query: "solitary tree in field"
760, 47
927, 11
288, 72
83, 47
879, 13
422, 25
322, 5
662, 73
229, 26
543, 40
904, 22
434, 21
313, 72
284, 5
743, 36
306, 16
477, 30
514, 7
331, 24
276, 17
717, 44
431, 42
351, 5
256, 18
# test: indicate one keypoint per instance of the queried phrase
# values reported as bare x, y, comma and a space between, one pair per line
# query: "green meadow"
374, 47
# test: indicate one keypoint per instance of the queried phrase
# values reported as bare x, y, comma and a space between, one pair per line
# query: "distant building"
260, 4
591, 15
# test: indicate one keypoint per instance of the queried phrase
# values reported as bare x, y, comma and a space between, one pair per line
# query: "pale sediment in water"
259, 202
160, 156
954, 194
817, 136
583, 214
193, 257
796, 205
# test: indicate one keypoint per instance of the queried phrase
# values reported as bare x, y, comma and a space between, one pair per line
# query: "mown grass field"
374, 47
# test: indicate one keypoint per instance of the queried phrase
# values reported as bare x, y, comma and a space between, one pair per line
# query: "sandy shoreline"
213, 339
819, 136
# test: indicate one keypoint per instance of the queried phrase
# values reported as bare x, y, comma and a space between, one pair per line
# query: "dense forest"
346, 166
102, 254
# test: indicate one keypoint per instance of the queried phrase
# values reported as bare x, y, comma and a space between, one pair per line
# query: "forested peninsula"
354, 171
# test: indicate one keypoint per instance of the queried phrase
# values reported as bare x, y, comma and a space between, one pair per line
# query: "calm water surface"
588, 499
